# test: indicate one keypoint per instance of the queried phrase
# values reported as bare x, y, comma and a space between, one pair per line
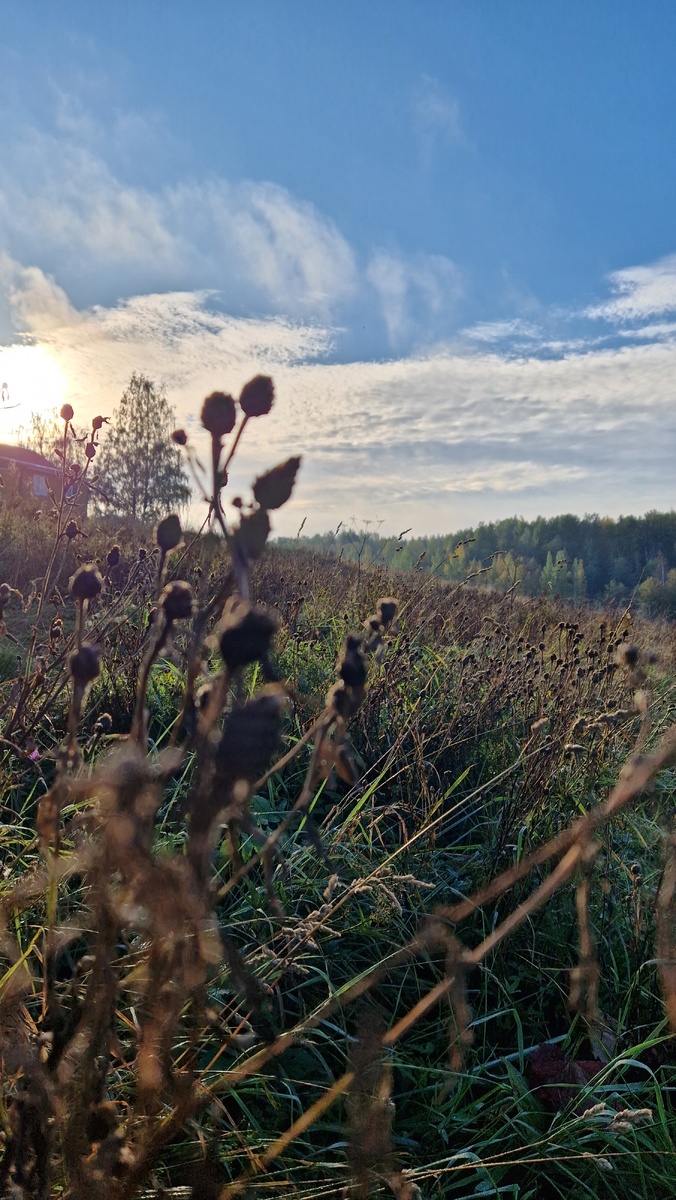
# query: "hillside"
579, 558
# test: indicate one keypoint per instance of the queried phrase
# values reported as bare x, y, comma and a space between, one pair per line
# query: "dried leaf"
273, 489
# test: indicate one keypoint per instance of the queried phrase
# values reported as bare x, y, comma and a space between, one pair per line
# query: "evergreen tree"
140, 470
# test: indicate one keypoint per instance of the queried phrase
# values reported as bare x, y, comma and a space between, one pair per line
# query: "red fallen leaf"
555, 1079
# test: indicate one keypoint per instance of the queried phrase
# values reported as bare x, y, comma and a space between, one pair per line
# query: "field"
290, 909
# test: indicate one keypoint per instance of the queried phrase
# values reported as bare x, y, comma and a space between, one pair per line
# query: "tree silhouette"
140, 469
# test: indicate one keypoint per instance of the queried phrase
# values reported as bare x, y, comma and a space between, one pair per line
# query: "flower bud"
168, 533
176, 600
86, 582
67, 412
257, 396
97, 423
90, 450
219, 414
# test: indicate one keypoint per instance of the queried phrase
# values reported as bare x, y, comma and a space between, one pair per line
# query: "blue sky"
447, 229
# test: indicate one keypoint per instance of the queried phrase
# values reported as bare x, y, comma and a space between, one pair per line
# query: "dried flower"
219, 414
113, 556
246, 634
180, 437
67, 412
86, 582
351, 666
176, 600
250, 737
257, 396
168, 533
84, 664
71, 530
387, 610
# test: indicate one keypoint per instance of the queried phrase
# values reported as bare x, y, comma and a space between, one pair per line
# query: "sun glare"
31, 382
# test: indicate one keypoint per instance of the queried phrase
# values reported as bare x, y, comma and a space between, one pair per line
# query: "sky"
445, 229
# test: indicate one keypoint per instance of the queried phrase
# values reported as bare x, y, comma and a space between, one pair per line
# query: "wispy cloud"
419, 294
436, 114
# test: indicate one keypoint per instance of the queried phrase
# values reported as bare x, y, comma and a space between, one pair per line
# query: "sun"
32, 382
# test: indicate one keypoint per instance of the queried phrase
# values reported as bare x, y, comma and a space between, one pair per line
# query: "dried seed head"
113, 556
180, 437
97, 423
219, 414
343, 700
176, 600
142, 554
90, 450
71, 530
67, 412
387, 610
84, 664
168, 533
86, 582
628, 655
246, 634
250, 737
104, 723
257, 396
351, 665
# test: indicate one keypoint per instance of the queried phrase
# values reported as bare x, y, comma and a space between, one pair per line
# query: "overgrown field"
309, 891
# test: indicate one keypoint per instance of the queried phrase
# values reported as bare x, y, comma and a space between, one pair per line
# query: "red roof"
21, 456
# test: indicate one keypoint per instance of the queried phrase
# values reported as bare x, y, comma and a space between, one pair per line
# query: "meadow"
321, 879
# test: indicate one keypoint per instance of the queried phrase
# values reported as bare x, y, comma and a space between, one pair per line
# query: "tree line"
578, 558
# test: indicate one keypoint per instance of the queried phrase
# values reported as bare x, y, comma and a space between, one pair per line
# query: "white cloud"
640, 292
36, 303
60, 204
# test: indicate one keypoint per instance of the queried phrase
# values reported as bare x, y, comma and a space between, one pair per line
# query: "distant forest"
580, 558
